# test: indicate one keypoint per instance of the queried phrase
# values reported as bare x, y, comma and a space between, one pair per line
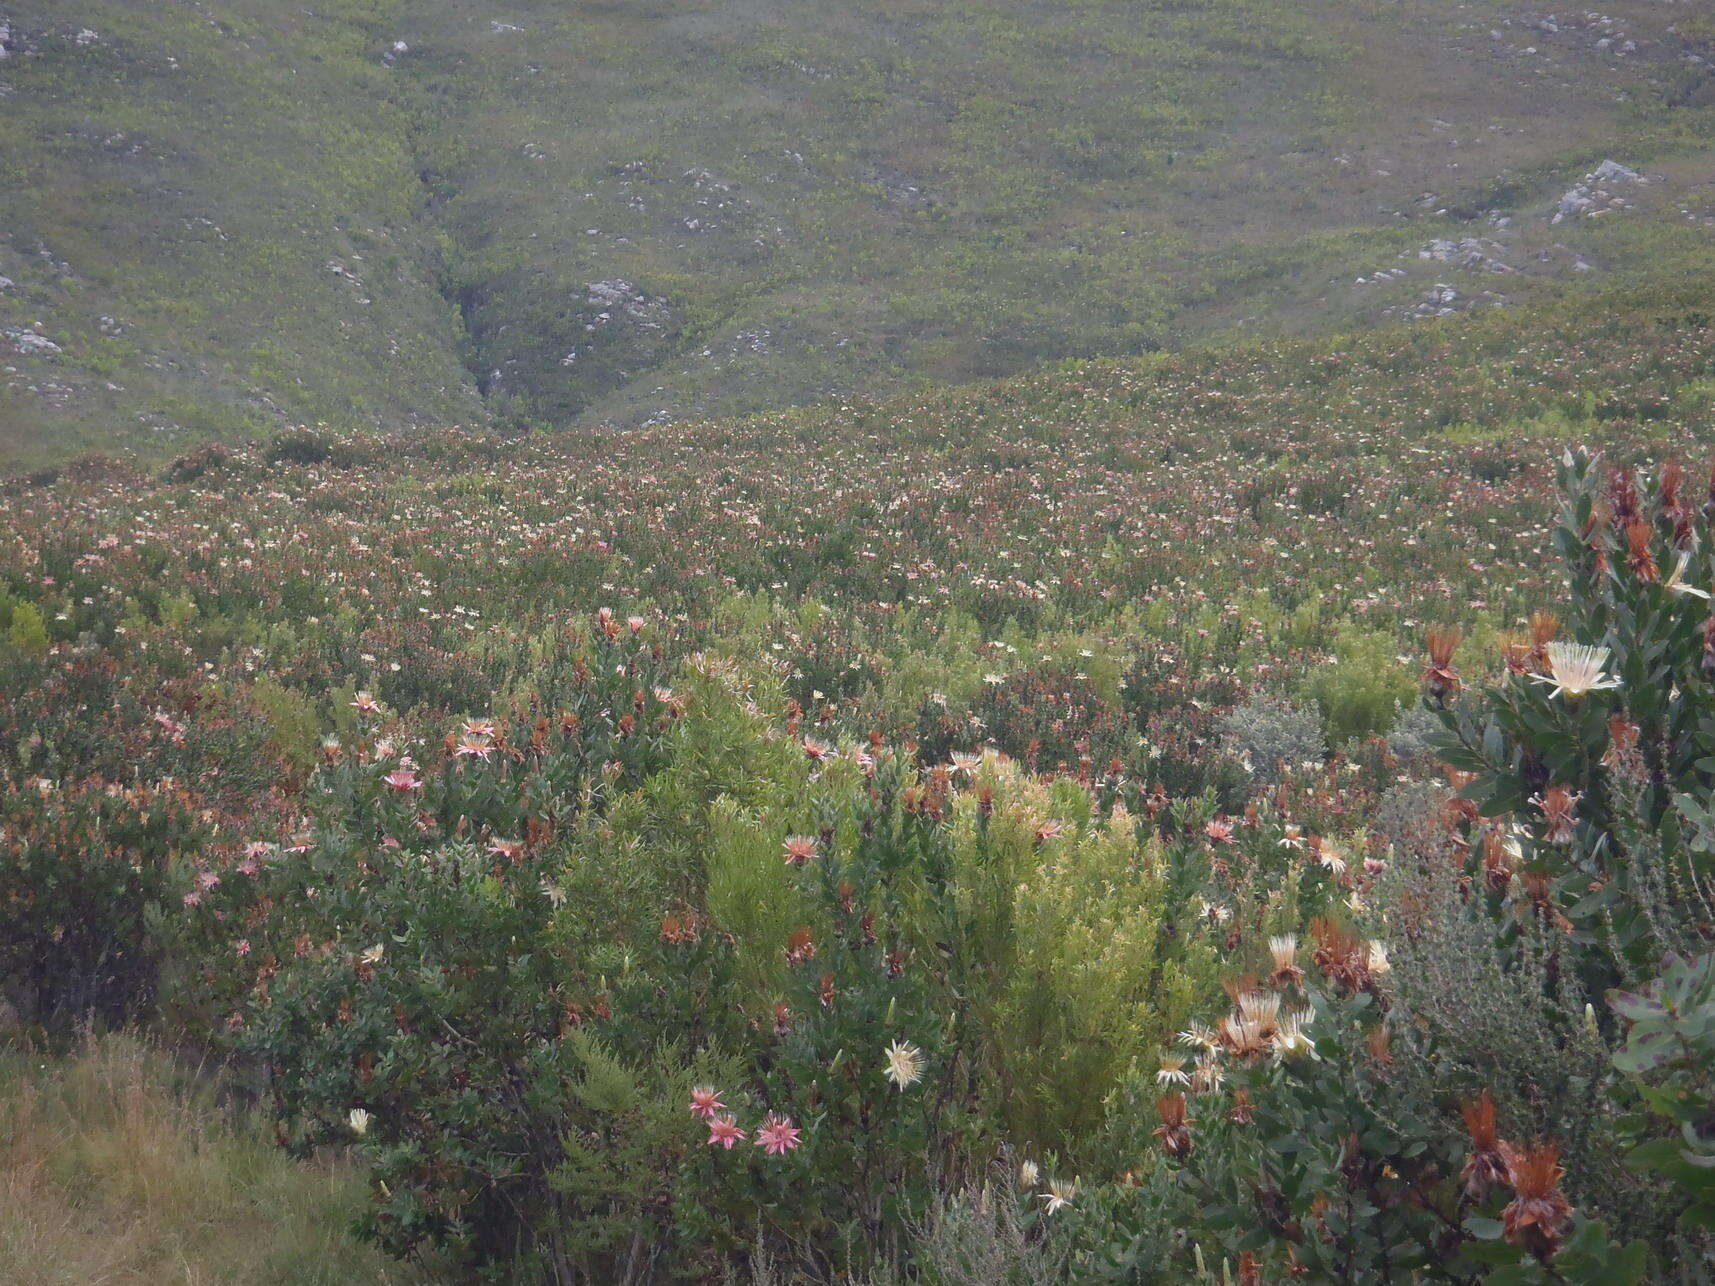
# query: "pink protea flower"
402, 780
798, 849
364, 703
472, 747
706, 1101
724, 1132
778, 1135
1220, 831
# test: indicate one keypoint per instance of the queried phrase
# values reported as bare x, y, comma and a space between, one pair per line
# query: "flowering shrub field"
1241, 816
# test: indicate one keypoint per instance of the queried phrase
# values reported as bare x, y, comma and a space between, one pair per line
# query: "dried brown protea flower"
1517, 654
1622, 754
800, 946
1675, 513
1341, 956
1544, 629
1486, 1165
1175, 1128
1640, 559
1498, 858
1243, 1111
1438, 679
1558, 804
1622, 496
1378, 1042
1539, 1212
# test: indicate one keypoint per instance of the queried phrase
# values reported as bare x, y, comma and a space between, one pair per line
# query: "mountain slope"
211, 211
220, 216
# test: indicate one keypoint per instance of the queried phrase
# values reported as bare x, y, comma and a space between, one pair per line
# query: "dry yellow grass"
114, 1169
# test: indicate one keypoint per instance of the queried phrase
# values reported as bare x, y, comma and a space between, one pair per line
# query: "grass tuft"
118, 1167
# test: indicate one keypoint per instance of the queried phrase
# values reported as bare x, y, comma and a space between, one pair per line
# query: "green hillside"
223, 216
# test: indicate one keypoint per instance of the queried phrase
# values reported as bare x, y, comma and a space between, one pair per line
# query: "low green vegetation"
1145, 821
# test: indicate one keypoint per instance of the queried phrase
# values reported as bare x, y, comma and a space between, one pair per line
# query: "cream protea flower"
1283, 948
359, 1121
1576, 668
1028, 1174
1259, 1007
1198, 1036
1675, 583
1059, 1195
373, 955
1378, 958
1291, 1040
1329, 857
904, 1063
1172, 1072
1208, 1074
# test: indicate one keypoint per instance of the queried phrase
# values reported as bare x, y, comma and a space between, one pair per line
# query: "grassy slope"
817, 200
190, 175
115, 1168
901, 193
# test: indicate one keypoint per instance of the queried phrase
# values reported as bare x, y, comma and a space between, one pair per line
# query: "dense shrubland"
1060, 832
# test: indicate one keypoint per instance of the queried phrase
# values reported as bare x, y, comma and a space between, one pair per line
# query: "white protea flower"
1028, 1174
373, 955
1675, 584
1576, 668
904, 1063
1172, 1072
359, 1121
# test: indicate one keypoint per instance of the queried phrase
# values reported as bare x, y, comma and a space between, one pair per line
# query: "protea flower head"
1485, 1166
1676, 584
1175, 1128
1539, 1212
1576, 669
904, 1063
